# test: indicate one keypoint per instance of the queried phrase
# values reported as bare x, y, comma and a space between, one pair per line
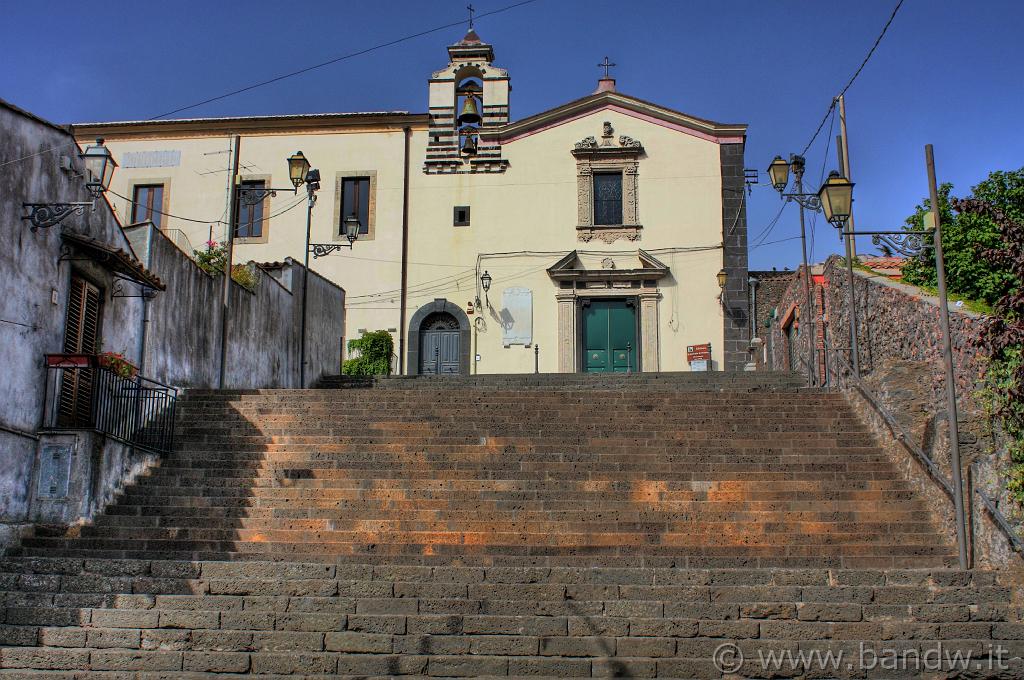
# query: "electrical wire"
292, 74
856, 73
341, 58
781, 240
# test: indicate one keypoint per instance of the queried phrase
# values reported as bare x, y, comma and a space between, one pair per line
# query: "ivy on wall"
375, 349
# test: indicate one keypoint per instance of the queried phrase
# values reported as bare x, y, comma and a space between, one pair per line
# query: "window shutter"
81, 336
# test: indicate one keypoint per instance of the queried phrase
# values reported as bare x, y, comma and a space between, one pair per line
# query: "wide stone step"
177, 618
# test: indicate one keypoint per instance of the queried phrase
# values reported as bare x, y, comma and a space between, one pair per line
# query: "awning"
120, 262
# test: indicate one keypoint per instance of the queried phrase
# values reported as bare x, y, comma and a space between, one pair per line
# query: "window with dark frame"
147, 202
607, 198
355, 200
461, 218
249, 223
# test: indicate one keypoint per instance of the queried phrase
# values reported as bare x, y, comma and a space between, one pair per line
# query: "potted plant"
116, 363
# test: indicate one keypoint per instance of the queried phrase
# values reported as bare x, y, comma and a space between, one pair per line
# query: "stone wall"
173, 338
183, 337
35, 278
902, 368
736, 296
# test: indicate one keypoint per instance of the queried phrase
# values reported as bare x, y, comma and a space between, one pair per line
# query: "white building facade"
612, 230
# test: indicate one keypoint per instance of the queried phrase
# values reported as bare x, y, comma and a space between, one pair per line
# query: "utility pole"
845, 167
947, 360
851, 290
228, 255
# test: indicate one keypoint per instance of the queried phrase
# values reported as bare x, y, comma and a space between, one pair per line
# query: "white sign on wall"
151, 159
516, 316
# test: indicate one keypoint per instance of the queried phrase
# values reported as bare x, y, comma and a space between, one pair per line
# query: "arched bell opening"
469, 107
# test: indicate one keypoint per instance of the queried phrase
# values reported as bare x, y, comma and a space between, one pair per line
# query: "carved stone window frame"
593, 158
338, 230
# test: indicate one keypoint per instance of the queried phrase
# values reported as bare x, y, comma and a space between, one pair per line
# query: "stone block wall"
901, 365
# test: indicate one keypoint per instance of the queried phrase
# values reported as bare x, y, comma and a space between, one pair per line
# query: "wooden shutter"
81, 336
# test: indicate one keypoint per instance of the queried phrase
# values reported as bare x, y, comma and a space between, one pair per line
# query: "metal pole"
228, 256
798, 172
851, 297
305, 288
536, 358
846, 162
947, 359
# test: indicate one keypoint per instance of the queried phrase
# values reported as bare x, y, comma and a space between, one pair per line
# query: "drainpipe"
405, 254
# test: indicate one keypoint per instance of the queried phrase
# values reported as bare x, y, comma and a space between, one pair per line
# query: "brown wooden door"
81, 336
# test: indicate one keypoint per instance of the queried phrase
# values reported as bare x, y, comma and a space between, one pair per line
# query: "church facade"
607, 234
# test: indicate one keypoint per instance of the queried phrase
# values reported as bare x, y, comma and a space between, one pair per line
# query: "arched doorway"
439, 344
439, 340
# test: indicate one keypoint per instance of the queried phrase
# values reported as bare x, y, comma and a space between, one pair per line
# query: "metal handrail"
135, 410
902, 436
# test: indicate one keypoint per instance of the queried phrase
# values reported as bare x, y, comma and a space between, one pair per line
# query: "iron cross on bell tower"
472, 10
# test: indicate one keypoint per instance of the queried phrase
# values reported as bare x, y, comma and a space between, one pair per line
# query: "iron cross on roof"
471, 11
606, 65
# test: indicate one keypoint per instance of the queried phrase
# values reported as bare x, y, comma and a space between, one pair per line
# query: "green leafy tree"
1003, 335
967, 236
375, 350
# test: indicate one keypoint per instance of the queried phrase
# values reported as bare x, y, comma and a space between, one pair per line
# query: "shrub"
375, 350
212, 261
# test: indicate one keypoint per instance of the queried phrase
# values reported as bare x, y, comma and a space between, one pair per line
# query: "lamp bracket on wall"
257, 195
46, 215
909, 243
324, 249
118, 289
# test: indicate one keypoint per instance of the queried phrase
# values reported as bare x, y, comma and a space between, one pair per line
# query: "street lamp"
99, 169
298, 169
485, 281
779, 171
836, 197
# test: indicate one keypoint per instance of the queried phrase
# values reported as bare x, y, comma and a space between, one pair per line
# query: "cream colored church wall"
533, 207
198, 188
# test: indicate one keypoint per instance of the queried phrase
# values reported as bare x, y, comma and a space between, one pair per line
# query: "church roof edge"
598, 100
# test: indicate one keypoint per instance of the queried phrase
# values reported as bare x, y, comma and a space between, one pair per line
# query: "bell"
469, 146
470, 111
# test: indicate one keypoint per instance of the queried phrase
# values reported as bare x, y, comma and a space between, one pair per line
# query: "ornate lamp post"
300, 172
99, 169
779, 172
836, 197
485, 283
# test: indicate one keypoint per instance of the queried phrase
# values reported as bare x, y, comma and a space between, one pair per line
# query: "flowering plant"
116, 363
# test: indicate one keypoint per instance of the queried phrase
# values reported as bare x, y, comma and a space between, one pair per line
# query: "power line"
768, 243
341, 58
856, 73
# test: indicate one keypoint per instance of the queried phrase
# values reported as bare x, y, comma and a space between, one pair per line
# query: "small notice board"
699, 357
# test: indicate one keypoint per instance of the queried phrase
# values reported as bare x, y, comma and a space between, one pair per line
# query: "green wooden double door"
609, 336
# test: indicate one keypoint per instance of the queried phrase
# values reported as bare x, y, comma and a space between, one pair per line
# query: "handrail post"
947, 360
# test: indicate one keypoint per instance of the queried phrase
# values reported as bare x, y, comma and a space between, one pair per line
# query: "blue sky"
947, 73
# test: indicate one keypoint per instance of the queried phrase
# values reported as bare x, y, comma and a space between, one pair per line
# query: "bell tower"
468, 100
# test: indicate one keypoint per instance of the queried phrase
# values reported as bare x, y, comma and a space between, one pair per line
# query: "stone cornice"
321, 122
707, 129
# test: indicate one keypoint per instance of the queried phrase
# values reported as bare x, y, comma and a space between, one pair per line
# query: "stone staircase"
626, 525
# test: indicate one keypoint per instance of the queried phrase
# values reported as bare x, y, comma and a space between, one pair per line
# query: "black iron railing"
82, 395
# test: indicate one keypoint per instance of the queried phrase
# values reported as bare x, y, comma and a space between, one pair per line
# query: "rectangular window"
608, 198
147, 203
461, 218
355, 200
250, 216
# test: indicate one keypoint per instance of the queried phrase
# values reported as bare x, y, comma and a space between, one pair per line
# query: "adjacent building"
611, 230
